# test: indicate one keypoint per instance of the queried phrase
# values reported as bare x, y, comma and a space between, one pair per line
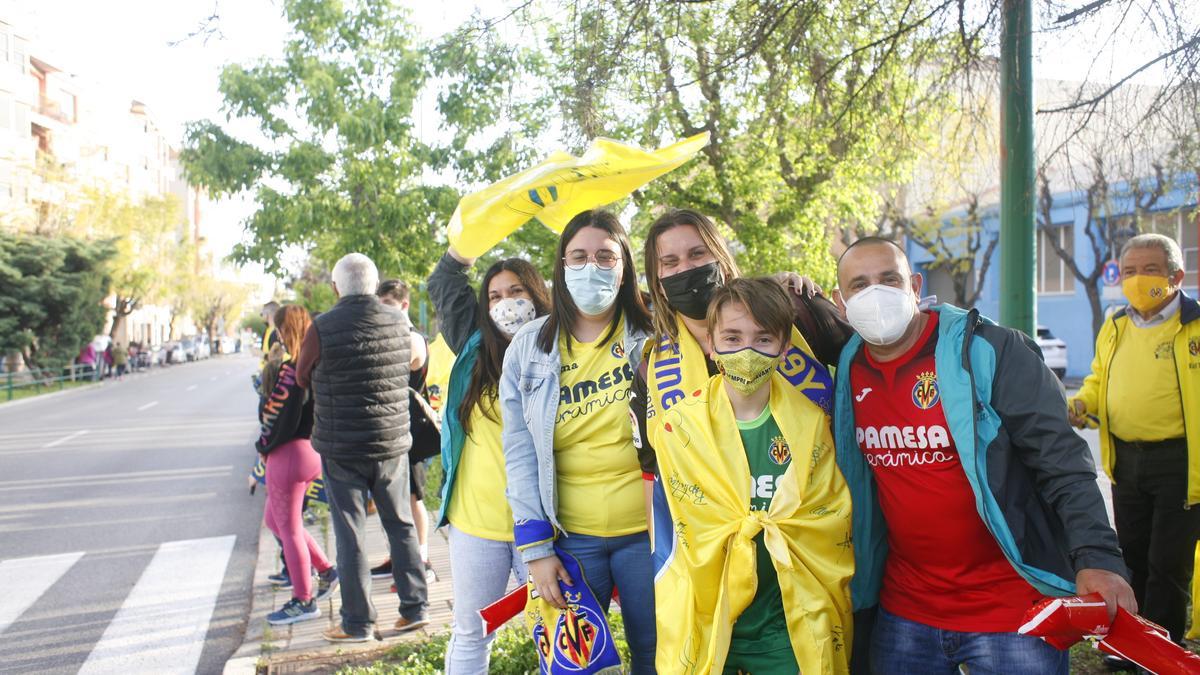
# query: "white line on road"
163, 623
26, 579
191, 387
64, 439
148, 406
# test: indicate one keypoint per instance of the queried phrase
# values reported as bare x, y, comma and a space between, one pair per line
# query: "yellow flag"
559, 188
437, 378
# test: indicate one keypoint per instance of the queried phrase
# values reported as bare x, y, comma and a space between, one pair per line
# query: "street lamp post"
1018, 255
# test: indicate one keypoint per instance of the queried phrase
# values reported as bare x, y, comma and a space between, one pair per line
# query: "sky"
127, 47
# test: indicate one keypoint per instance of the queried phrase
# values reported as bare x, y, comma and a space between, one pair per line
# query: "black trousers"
1156, 529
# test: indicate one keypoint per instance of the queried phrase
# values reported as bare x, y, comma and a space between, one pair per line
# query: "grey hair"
355, 274
1161, 242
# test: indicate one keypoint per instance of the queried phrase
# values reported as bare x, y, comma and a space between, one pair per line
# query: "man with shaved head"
973, 497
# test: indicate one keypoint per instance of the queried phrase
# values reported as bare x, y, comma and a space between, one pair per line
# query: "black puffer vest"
360, 384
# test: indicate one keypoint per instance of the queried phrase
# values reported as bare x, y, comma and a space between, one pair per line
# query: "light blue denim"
903, 647
482, 570
624, 563
529, 402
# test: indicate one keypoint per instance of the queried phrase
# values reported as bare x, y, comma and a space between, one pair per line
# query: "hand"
1077, 413
798, 284
1111, 586
546, 573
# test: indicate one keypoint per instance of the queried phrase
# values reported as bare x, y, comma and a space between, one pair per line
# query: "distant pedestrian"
120, 359
1144, 380
395, 292
87, 361
356, 355
107, 360
287, 421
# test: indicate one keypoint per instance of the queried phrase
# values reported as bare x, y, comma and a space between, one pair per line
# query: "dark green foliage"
51, 294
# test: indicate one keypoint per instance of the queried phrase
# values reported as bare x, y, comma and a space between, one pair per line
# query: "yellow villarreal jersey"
1144, 401
478, 505
599, 478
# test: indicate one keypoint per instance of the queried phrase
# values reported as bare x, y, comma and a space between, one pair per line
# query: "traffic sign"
1112, 273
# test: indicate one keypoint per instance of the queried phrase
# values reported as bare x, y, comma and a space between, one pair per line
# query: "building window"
6, 105
1053, 275
1179, 225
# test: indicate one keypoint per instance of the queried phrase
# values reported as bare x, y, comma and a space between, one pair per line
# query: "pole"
1018, 255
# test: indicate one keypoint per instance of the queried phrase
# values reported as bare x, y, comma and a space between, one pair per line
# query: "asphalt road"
127, 537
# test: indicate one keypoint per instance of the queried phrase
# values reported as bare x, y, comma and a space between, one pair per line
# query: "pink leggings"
290, 468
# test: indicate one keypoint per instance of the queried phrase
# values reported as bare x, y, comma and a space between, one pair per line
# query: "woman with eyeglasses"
573, 471
480, 524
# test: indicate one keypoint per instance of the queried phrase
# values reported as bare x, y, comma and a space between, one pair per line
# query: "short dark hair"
394, 289
868, 241
763, 297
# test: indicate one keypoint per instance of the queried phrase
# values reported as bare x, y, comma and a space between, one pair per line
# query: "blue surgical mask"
594, 290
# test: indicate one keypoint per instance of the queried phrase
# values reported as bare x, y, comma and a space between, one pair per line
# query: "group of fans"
767, 480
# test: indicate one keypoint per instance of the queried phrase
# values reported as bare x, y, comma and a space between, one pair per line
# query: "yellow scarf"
710, 579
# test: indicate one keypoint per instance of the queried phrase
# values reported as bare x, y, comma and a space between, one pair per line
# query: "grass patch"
30, 390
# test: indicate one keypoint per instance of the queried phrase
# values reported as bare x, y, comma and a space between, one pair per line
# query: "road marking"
190, 388
26, 579
163, 623
148, 406
64, 439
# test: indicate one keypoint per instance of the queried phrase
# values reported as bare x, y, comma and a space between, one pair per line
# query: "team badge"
1194, 346
925, 393
1164, 351
618, 350
779, 452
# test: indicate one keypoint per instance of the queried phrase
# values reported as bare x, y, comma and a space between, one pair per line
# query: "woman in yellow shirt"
573, 472
478, 330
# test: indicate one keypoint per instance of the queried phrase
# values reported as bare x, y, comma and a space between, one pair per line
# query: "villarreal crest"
925, 393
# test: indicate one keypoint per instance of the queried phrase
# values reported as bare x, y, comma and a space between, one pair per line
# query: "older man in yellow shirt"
1144, 391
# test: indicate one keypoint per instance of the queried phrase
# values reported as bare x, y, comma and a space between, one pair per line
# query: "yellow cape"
710, 578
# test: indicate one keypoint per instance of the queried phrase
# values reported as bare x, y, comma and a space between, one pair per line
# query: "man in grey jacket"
356, 357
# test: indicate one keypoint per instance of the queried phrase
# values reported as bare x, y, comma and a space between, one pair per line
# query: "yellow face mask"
746, 369
1146, 291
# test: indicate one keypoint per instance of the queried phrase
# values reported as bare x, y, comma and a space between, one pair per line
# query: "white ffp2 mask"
881, 314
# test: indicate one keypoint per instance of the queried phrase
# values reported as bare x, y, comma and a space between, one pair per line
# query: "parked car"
1054, 351
188, 345
175, 352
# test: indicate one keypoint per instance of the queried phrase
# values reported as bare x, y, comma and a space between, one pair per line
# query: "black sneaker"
293, 611
326, 582
383, 570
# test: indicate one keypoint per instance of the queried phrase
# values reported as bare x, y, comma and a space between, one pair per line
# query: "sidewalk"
299, 648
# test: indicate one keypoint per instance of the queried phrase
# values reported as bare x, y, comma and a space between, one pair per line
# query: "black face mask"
689, 292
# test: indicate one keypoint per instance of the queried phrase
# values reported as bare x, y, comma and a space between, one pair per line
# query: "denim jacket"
529, 394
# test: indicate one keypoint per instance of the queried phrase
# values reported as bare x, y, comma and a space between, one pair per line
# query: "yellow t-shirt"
599, 478
1144, 402
479, 506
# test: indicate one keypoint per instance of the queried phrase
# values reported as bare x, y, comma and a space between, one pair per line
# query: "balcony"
49, 108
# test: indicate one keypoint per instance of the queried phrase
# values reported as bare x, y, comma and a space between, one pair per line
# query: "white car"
1054, 351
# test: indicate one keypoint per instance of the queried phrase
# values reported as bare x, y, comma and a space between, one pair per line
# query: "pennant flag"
559, 188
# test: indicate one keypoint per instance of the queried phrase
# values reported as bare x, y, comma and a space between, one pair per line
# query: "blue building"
1062, 303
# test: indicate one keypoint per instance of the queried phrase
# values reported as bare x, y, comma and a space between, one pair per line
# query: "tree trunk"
1093, 296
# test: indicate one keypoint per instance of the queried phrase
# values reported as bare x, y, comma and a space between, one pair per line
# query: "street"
127, 537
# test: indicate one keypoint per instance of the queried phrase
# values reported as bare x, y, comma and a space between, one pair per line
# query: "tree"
217, 303
1106, 224
959, 244
148, 242
339, 167
51, 292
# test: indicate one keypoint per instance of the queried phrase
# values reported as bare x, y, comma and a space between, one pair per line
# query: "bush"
513, 653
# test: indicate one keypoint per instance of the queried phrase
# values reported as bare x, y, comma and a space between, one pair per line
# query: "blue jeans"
623, 562
482, 570
900, 646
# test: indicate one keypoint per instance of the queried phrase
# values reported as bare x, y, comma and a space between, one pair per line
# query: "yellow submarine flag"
559, 188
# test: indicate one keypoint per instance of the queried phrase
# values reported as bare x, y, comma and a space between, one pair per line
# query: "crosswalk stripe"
163, 623
26, 579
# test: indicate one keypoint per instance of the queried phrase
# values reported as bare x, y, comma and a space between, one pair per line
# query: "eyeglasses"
604, 259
